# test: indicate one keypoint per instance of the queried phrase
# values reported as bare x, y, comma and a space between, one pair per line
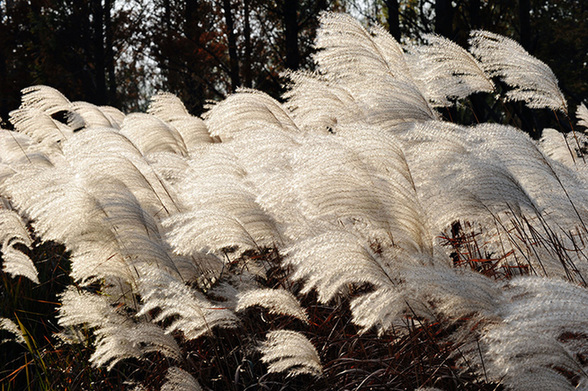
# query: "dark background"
120, 52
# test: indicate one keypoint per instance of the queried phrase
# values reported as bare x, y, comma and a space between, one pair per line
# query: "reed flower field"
349, 237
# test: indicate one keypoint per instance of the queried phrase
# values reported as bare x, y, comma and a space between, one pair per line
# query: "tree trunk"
444, 18
475, 22
525, 23
98, 52
290, 14
109, 53
248, 50
167, 16
393, 18
233, 57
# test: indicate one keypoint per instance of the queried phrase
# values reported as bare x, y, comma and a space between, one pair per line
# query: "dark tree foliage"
119, 52
553, 31
80, 47
186, 40
209, 49
560, 38
15, 58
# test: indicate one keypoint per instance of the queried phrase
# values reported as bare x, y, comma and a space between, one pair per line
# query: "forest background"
120, 52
